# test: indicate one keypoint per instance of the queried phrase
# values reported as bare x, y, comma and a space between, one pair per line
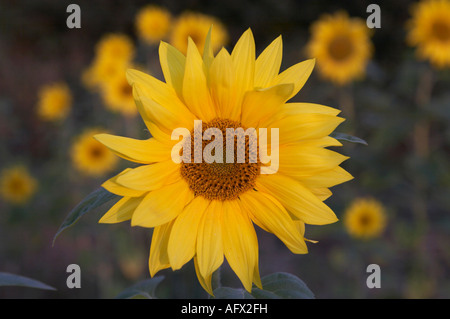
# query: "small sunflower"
365, 218
429, 31
54, 101
196, 26
341, 46
17, 185
207, 211
113, 55
153, 23
91, 157
117, 95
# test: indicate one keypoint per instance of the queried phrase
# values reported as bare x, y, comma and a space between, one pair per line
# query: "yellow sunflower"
341, 46
91, 157
54, 101
153, 23
365, 218
118, 95
17, 185
196, 26
205, 210
429, 31
113, 54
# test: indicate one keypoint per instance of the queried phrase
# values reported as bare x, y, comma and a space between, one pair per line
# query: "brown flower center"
340, 48
227, 179
441, 30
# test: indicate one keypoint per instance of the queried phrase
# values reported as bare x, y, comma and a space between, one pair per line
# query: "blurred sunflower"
54, 101
341, 46
429, 31
196, 26
153, 23
91, 157
17, 185
113, 55
118, 95
365, 218
206, 211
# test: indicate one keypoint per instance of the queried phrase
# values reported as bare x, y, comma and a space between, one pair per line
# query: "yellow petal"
297, 74
301, 108
298, 160
112, 186
172, 64
329, 178
240, 244
150, 177
297, 199
208, 53
243, 57
121, 211
322, 193
205, 282
209, 240
195, 87
268, 63
259, 105
138, 151
221, 75
305, 126
167, 118
159, 259
183, 239
159, 207
266, 210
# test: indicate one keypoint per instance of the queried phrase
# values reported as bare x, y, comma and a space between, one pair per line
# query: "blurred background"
400, 105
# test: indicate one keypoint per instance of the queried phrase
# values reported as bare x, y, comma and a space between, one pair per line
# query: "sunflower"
113, 54
341, 46
91, 157
206, 211
118, 95
152, 23
365, 218
429, 31
196, 26
54, 101
17, 185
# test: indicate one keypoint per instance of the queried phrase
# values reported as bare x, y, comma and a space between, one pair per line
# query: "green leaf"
7, 279
95, 199
145, 288
348, 138
279, 285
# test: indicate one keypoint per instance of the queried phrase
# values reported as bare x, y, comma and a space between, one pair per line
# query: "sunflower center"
224, 180
365, 220
340, 48
441, 30
96, 152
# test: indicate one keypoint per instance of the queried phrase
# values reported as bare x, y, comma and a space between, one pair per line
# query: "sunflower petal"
159, 258
259, 105
138, 151
240, 244
195, 87
297, 199
182, 242
209, 240
297, 74
268, 63
159, 207
266, 210
150, 177
112, 186
121, 211
172, 64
